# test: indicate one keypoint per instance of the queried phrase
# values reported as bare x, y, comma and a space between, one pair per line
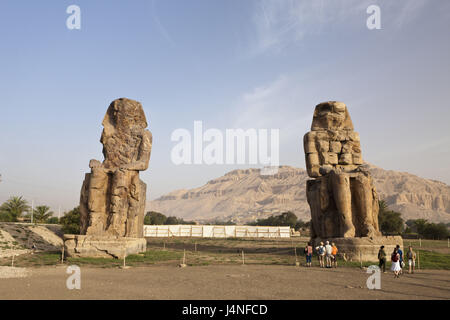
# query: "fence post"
243, 257
418, 259
360, 259
62, 253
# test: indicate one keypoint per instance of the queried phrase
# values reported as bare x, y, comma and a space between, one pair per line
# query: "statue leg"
134, 206
118, 203
340, 183
313, 196
364, 201
96, 201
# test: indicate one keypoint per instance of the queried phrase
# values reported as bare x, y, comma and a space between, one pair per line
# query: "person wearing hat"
382, 259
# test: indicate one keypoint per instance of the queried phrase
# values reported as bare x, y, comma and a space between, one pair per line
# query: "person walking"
382, 259
308, 254
321, 254
334, 251
328, 251
411, 255
395, 267
402, 264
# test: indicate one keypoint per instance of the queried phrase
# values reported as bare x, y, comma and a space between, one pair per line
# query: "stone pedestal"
102, 246
364, 248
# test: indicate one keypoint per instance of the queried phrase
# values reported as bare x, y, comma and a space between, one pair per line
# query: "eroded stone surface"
342, 197
103, 246
112, 198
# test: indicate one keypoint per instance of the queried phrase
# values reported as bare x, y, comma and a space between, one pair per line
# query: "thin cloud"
162, 30
279, 24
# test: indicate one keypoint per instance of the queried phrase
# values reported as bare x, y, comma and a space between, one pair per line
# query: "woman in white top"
395, 259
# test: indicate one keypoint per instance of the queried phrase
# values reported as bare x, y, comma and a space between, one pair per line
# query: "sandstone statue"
112, 200
342, 197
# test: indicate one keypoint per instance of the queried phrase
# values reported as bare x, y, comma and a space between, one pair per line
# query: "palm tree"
383, 206
14, 208
42, 213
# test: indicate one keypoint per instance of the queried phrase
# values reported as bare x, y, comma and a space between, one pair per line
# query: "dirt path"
224, 282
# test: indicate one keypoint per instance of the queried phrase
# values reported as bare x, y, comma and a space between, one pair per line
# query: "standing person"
395, 259
411, 255
334, 252
400, 252
328, 251
33, 248
321, 254
382, 259
308, 254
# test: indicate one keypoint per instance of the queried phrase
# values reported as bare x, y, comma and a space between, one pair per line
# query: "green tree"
215, 223
285, 219
390, 222
435, 231
52, 220
41, 214
382, 206
419, 226
71, 221
12, 209
155, 218
171, 220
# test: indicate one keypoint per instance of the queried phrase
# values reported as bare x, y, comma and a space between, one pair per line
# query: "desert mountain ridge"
246, 195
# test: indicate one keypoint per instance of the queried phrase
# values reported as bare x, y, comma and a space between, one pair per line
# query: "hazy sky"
229, 63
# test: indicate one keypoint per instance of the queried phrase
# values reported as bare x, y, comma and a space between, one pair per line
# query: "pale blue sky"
231, 64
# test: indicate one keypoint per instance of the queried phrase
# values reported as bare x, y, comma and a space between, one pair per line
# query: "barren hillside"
244, 195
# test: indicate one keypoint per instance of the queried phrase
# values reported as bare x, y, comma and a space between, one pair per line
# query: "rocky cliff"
245, 195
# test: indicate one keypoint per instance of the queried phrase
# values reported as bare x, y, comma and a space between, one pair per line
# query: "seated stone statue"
342, 197
112, 198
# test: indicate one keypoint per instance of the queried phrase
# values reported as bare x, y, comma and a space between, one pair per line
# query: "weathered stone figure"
112, 200
113, 197
342, 198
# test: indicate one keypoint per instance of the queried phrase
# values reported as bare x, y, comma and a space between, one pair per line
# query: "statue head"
331, 115
123, 115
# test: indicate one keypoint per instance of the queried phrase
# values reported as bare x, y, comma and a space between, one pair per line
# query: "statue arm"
145, 150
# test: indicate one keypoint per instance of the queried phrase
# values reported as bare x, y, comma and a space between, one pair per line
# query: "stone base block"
365, 248
102, 246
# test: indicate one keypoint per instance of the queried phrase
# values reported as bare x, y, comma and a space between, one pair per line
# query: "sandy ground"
224, 282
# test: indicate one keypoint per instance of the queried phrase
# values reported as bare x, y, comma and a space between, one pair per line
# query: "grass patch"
432, 260
153, 256
33, 260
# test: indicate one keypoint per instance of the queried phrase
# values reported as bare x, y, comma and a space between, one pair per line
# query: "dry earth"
224, 282
18, 238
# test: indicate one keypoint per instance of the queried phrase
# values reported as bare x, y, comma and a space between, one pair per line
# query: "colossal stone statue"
341, 195
113, 197
112, 200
